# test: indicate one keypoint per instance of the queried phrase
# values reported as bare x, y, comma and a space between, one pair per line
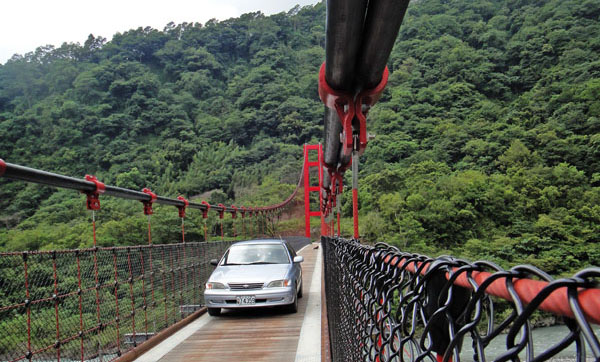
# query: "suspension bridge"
364, 302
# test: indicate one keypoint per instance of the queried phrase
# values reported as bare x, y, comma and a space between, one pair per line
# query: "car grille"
245, 286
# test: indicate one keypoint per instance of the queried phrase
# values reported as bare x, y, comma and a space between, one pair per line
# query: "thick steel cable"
23, 173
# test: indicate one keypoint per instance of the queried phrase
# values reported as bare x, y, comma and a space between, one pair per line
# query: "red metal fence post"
27, 307
117, 318
56, 300
145, 304
182, 216
172, 272
79, 294
164, 283
130, 282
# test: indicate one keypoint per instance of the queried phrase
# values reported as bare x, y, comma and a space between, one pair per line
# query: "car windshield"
256, 254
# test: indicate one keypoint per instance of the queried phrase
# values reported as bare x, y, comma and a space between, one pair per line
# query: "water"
543, 338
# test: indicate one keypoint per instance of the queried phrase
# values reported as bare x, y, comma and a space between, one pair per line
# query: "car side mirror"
298, 259
214, 262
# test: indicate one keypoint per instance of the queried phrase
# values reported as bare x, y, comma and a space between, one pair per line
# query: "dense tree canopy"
487, 137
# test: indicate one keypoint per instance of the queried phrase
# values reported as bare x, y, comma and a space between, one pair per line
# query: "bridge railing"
387, 305
98, 303
95, 304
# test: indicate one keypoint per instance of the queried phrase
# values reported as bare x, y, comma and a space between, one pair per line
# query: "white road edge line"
168, 344
302, 248
309, 343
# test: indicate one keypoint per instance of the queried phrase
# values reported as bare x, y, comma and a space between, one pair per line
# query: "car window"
292, 251
256, 254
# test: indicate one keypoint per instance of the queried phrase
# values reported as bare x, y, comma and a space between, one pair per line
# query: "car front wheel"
214, 311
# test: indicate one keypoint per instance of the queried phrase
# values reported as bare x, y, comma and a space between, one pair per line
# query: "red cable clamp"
148, 203
337, 187
182, 208
2, 167
347, 106
332, 197
369, 97
222, 211
205, 211
234, 212
93, 197
243, 212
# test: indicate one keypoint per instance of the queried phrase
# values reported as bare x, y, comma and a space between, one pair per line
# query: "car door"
296, 267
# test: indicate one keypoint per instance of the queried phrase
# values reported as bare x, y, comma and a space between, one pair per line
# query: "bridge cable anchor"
181, 210
93, 197
148, 203
148, 211
350, 107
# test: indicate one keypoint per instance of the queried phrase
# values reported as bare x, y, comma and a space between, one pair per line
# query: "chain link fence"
387, 305
96, 304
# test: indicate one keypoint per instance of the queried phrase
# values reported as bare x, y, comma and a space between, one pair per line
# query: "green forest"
487, 138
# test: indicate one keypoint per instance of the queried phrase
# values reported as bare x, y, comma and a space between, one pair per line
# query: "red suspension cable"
28, 307
117, 318
79, 292
56, 300
132, 296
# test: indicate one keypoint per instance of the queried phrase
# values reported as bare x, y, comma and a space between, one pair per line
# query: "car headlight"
279, 283
214, 285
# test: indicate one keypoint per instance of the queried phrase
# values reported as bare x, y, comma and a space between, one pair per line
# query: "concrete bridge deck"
261, 334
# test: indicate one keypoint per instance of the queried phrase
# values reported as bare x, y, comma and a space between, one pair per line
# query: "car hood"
249, 273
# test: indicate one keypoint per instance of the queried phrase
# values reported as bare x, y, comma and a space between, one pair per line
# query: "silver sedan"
256, 273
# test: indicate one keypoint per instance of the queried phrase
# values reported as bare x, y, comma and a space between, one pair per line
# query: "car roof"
260, 241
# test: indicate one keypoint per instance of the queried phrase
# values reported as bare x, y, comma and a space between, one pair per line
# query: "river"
543, 338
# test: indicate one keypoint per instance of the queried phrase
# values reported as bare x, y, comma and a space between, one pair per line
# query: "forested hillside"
487, 138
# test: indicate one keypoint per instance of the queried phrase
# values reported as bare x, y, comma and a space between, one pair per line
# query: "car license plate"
246, 300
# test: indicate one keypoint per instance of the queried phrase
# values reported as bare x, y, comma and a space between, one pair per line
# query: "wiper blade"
261, 262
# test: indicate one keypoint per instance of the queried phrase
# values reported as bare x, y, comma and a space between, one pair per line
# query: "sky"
27, 24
